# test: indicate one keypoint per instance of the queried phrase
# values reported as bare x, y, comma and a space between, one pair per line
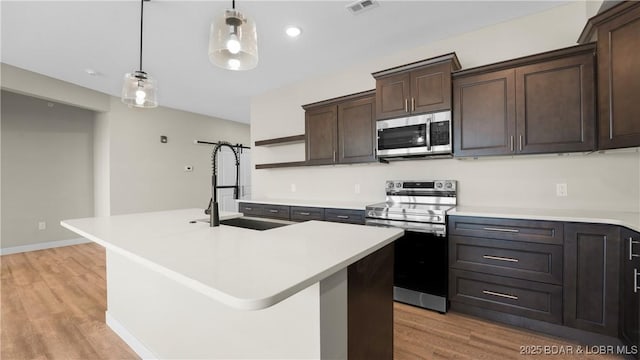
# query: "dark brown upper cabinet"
617, 31
416, 88
543, 103
341, 130
321, 124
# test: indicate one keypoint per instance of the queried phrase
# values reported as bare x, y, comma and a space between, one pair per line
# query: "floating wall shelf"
281, 140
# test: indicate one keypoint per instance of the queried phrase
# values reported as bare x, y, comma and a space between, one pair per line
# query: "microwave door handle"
428, 134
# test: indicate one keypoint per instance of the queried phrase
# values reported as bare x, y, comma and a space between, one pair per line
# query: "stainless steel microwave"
419, 135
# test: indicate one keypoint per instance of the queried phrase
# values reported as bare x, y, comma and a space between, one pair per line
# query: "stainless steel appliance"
421, 255
420, 135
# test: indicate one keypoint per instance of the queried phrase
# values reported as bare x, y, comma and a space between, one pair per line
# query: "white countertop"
336, 204
630, 220
244, 269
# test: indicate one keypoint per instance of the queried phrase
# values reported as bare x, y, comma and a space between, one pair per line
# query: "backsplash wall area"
608, 180
595, 181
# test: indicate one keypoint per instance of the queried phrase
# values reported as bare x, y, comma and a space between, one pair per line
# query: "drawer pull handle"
248, 208
342, 216
635, 280
273, 211
500, 258
304, 213
631, 254
501, 229
512, 297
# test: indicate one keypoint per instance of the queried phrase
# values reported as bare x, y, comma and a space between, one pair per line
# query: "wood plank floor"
52, 305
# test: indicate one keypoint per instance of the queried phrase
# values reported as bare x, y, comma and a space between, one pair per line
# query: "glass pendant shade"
233, 42
139, 90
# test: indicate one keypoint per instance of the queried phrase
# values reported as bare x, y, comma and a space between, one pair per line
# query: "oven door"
403, 136
421, 270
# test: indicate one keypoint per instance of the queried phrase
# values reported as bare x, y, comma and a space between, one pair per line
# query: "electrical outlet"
42, 225
356, 188
188, 168
561, 190
293, 187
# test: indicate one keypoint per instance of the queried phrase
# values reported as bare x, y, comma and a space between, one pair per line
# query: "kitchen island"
181, 289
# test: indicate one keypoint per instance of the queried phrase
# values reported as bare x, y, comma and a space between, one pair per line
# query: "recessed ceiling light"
293, 31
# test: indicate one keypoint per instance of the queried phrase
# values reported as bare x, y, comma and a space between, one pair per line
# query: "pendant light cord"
233, 4
141, 19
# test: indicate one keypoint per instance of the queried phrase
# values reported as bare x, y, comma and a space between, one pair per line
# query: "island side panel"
173, 321
370, 306
333, 316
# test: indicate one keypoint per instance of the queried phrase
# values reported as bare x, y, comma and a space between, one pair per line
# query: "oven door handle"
436, 229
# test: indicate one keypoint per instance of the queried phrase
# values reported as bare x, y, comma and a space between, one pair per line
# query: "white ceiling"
61, 39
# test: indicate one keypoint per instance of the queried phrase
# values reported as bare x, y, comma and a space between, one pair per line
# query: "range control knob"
398, 185
448, 185
439, 185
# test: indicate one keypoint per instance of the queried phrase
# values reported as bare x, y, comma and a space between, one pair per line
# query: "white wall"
129, 169
47, 168
595, 181
25, 82
147, 175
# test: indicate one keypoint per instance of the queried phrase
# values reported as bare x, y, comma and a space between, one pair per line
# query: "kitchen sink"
252, 223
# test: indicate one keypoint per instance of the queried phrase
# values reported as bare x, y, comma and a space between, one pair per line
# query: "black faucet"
214, 215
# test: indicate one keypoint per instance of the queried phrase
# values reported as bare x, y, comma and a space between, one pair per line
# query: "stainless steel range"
421, 255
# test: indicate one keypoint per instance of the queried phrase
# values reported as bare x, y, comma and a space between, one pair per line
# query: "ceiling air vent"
362, 6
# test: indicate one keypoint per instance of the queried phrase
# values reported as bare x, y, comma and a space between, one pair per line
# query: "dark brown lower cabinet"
592, 277
630, 293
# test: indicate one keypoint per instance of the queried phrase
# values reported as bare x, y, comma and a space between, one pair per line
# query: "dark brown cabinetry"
543, 103
344, 216
591, 277
302, 213
321, 126
630, 289
264, 210
417, 88
341, 130
617, 31
506, 266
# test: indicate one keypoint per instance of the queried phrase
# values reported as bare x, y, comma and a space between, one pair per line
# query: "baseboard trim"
42, 246
135, 344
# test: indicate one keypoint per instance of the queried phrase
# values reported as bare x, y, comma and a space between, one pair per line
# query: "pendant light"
139, 89
233, 41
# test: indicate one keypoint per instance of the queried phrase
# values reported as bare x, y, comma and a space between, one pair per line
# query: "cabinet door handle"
342, 216
631, 254
273, 211
248, 208
512, 297
511, 143
334, 156
501, 229
413, 104
635, 280
406, 105
304, 213
520, 142
500, 258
